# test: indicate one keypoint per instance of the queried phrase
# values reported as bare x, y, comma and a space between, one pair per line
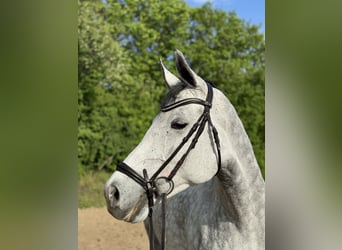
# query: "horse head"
186, 104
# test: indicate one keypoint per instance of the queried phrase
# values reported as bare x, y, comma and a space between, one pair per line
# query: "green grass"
90, 189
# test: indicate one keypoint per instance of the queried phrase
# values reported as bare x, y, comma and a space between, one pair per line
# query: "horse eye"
178, 125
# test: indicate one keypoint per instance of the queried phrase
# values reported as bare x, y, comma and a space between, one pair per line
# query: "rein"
150, 185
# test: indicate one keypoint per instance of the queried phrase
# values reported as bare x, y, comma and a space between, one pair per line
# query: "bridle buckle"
163, 185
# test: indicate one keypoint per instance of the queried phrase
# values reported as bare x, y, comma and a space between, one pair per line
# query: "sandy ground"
97, 229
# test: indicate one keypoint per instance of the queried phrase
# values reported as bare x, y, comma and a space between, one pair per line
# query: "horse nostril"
116, 194
113, 195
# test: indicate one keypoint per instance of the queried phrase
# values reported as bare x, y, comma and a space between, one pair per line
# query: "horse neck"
240, 177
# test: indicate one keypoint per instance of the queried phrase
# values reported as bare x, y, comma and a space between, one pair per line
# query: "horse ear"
170, 79
184, 70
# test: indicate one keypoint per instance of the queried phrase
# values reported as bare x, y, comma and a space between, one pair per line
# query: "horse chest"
195, 220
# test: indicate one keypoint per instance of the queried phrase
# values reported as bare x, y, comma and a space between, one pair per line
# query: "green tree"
122, 43
231, 54
102, 76
222, 48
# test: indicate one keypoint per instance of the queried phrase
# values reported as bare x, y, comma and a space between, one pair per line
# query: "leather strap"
130, 172
185, 102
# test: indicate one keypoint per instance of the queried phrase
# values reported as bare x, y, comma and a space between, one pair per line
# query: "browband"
185, 102
206, 103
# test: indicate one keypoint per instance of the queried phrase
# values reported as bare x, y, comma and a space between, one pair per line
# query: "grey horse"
207, 209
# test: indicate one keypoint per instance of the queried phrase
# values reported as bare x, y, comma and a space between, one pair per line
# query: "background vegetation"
120, 83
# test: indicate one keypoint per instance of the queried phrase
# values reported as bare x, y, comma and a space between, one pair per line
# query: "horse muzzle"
123, 206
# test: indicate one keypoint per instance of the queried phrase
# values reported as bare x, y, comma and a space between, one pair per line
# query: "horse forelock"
172, 93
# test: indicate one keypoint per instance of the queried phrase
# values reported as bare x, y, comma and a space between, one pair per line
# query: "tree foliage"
120, 84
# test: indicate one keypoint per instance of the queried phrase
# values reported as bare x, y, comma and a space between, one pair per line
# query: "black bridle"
151, 185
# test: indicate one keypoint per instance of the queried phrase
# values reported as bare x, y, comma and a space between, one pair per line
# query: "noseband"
151, 185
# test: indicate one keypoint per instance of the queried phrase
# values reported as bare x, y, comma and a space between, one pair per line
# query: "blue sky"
250, 10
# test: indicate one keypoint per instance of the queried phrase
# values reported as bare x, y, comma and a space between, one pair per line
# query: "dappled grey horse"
197, 155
